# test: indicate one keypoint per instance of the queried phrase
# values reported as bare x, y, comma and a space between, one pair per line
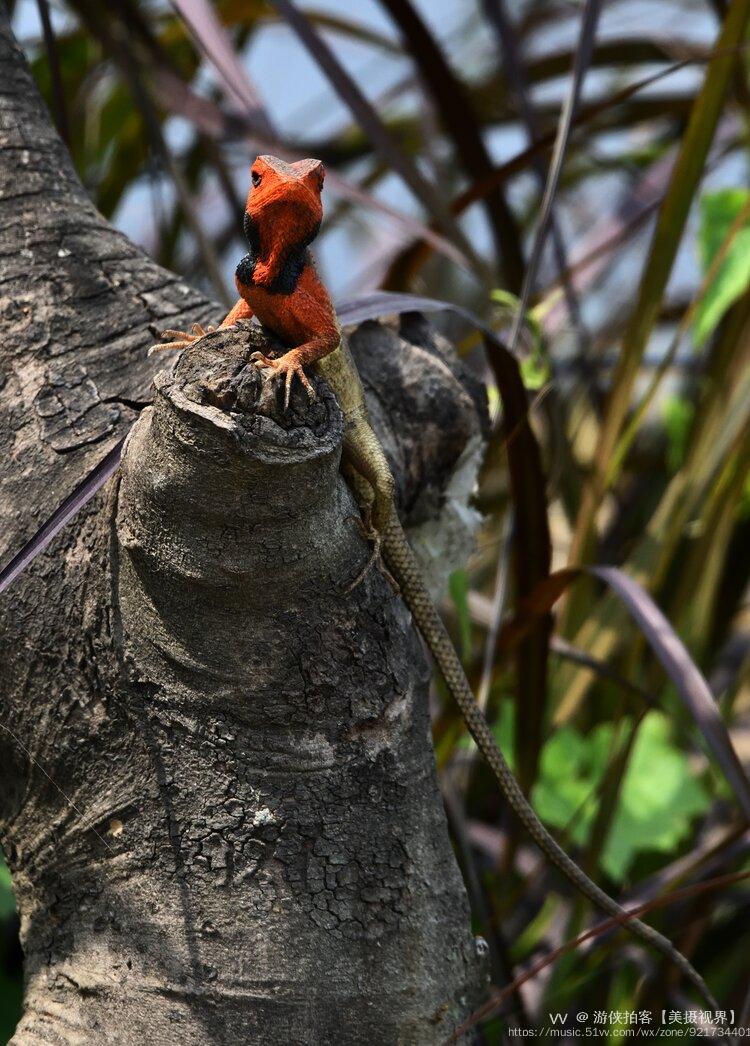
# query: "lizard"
279, 285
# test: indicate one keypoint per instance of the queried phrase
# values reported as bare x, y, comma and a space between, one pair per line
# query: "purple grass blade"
448, 96
584, 52
510, 52
53, 59
213, 40
387, 303
682, 670
372, 125
178, 97
63, 514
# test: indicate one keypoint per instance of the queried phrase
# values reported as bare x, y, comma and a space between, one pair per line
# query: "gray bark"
217, 790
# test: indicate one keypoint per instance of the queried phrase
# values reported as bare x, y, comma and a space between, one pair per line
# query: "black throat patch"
287, 280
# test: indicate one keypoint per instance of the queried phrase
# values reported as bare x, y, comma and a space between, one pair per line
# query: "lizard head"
284, 207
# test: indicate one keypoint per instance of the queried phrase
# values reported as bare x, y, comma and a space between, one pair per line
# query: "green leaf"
678, 417
743, 509
534, 932
571, 768
718, 211
660, 795
535, 368
7, 900
458, 586
535, 372
658, 799
687, 173
503, 729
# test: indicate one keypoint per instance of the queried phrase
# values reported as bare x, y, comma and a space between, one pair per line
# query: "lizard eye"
255, 178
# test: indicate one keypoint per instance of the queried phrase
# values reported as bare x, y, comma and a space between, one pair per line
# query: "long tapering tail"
403, 565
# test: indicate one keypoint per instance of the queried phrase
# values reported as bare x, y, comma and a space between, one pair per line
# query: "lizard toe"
179, 339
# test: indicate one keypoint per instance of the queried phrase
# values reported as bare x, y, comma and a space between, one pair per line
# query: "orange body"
277, 280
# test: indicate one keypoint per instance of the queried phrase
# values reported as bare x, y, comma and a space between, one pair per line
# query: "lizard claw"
181, 339
285, 366
261, 360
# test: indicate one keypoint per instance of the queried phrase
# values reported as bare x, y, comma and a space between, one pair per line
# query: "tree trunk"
217, 790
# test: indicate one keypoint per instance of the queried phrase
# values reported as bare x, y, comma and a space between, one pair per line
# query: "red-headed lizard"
278, 284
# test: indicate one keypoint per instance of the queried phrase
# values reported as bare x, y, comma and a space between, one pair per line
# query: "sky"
305, 106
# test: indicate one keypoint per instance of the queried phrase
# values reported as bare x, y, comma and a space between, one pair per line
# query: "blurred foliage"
637, 362
659, 795
678, 417
7, 903
718, 211
458, 586
11, 986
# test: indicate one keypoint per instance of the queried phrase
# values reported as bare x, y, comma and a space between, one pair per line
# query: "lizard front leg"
240, 311
306, 321
295, 360
181, 339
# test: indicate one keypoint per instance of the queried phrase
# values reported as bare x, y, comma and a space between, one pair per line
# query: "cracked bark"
217, 791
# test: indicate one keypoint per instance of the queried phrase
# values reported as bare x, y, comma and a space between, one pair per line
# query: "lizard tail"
403, 564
